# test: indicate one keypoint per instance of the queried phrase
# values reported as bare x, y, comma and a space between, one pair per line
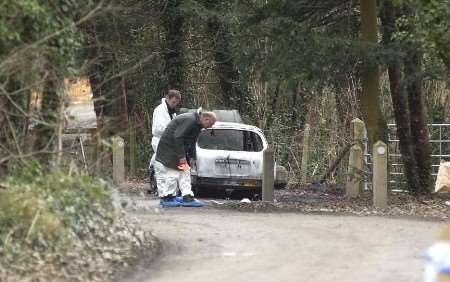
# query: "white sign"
381, 150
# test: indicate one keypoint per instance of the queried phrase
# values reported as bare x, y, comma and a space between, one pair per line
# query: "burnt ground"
323, 199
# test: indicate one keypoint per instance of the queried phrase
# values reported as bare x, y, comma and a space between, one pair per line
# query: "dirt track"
207, 244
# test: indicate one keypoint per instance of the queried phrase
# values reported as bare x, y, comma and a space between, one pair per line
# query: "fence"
440, 143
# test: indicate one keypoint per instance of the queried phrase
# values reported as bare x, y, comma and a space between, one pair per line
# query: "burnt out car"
229, 157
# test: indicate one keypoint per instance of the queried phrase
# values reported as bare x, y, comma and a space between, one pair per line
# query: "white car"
229, 157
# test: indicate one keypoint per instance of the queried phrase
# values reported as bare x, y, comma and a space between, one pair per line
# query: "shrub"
44, 208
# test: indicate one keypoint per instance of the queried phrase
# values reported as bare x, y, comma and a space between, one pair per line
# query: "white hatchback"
229, 156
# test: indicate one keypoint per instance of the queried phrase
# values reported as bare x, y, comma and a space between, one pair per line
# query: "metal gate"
440, 146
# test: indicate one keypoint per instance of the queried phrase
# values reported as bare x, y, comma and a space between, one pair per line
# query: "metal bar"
429, 124
431, 141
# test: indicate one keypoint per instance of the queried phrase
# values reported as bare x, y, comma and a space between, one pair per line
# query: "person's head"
207, 119
173, 98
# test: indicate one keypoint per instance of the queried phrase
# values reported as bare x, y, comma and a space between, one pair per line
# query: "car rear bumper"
224, 183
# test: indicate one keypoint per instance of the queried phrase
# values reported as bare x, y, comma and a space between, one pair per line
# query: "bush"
46, 208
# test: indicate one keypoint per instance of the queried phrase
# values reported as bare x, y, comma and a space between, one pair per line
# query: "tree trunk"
173, 22
273, 105
400, 103
3, 134
294, 105
301, 109
226, 70
46, 131
370, 105
418, 119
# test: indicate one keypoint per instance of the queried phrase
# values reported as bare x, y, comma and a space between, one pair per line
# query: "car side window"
259, 146
252, 142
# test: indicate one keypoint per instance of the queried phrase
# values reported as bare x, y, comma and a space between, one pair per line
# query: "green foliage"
24, 23
47, 208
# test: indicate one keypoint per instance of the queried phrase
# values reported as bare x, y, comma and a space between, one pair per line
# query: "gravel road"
208, 244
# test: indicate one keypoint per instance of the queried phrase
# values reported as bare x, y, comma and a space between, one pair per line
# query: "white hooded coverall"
161, 119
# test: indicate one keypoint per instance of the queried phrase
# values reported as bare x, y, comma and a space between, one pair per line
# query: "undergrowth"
51, 221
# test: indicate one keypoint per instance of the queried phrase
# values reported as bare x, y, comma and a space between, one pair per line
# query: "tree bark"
370, 104
226, 70
45, 132
294, 105
273, 105
418, 119
400, 102
302, 103
3, 134
173, 22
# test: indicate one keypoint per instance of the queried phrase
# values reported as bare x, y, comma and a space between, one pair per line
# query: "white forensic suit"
161, 119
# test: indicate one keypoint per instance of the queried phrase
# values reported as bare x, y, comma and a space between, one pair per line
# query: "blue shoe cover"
179, 199
169, 203
195, 203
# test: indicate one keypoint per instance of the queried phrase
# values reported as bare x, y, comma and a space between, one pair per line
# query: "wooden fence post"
268, 181
118, 146
358, 128
355, 166
380, 174
305, 154
133, 145
355, 161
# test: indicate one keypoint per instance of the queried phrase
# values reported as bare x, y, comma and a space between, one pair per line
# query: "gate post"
380, 173
268, 175
358, 128
118, 159
355, 162
305, 154
355, 166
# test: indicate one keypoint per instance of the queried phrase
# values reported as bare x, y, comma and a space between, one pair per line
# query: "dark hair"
173, 93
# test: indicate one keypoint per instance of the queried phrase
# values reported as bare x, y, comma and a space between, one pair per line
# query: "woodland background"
282, 64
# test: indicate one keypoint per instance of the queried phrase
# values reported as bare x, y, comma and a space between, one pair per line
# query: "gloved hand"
183, 165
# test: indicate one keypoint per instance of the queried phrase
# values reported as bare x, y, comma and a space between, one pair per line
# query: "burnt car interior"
230, 140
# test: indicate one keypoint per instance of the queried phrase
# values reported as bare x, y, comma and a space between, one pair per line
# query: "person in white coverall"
162, 115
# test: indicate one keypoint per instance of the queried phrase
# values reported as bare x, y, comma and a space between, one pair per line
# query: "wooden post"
133, 150
380, 173
268, 175
358, 128
305, 154
355, 161
118, 160
98, 168
355, 166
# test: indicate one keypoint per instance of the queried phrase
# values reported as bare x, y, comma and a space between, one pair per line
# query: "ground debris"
308, 199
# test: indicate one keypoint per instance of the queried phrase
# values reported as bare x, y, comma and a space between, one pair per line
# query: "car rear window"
230, 140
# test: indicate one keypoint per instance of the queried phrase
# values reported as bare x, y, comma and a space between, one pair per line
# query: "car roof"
222, 115
237, 126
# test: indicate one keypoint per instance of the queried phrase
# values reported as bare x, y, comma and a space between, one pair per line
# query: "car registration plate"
250, 183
